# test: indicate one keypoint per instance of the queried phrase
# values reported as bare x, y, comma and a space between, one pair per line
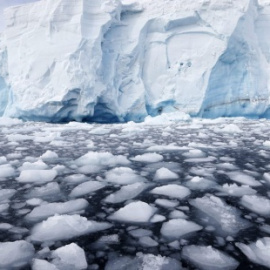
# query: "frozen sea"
182, 194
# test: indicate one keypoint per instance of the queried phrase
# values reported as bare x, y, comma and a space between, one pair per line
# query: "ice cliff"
120, 60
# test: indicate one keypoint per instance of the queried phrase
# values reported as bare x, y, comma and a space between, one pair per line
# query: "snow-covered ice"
135, 212
64, 227
257, 252
209, 258
17, 254
177, 228
86, 188
172, 191
37, 176
257, 204
70, 256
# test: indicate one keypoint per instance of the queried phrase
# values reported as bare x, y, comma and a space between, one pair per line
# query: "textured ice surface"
15, 254
47, 210
257, 252
165, 174
126, 193
124, 60
209, 258
37, 176
148, 158
226, 216
65, 227
135, 212
86, 188
173, 191
257, 204
244, 179
70, 256
177, 228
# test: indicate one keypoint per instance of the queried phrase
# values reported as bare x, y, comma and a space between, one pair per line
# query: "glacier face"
115, 60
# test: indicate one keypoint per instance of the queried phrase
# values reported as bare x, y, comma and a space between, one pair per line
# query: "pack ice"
122, 60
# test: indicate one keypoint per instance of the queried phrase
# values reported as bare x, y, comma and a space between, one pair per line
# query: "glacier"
122, 60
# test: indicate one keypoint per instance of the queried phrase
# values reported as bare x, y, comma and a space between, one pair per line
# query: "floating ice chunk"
86, 188
175, 214
200, 160
5, 226
266, 144
237, 191
15, 255
173, 191
49, 155
167, 118
138, 233
19, 137
4, 207
50, 209
49, 190
265, 228
65, 227
126, 193
244, 179
123, 176
209, 258
6, 171
176, 228
257, 204
227, 166
257, 252
143, 262
200, 183
70, 256
266, 176
223, 214
103, 159
34, 202
38, 264
3, 160
166, 203
147, 241
6, 194
194, 153
165, 148
165, 174
231, 129
38, 165
135, 212
76, 178
148, 158
100, 131
157, 218
37, 176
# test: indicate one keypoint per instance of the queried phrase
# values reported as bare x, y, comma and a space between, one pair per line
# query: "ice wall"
4, 89
123, 60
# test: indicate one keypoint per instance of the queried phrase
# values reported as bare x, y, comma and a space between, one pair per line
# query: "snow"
134, 212
257, 204
148, 158
257, 252
37, 176
64, 227
86, 188
50, 209
173, 191
6, 171
237, 191
15, 254
209, 258
177, 228
70, 256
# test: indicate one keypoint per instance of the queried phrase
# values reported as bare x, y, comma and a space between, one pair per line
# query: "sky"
7, 3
